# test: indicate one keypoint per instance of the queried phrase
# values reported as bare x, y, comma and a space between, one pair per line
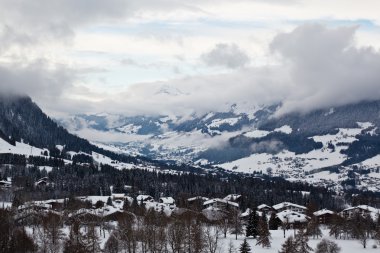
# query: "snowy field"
347, 246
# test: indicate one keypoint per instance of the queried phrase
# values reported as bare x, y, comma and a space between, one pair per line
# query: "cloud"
269, 147
37, 79
317, 66
226, 55
326, 68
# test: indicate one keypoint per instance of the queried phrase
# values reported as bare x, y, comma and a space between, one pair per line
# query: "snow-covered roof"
118, 195
232, 197
33, 205
197, 198
158, 207
167, 200
247, 212
363, 207
285, 204
263, 206
143, 197
211, 201
292, 217
323, 212
374, 212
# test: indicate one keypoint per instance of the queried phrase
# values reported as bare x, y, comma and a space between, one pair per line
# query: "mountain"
26, 129
320, 146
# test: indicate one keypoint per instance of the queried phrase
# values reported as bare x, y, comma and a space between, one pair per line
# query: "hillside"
252, 139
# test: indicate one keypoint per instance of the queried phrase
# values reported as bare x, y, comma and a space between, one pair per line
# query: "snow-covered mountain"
334, 144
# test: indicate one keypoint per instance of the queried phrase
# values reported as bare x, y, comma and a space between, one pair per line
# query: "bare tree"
327, 246
212, 235
176, 236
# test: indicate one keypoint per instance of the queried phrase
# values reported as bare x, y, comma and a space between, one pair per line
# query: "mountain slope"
22, 121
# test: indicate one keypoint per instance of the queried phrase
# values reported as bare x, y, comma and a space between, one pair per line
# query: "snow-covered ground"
20, 148
347, 246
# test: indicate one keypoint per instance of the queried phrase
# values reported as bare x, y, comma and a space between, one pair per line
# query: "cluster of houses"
293, 215
100, 208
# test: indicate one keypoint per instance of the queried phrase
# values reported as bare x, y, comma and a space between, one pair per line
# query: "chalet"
233, 197
290, 207
221, 204
43, 182
363, 210
118, 196
169, 201
197, 198
324, 216
144, 198
5, 184
196, 203
265, 208
291, 219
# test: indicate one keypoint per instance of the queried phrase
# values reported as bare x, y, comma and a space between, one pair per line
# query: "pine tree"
274, 223
252, 227
301, 242
288, 246
313, 228
244, 247
109, 201
263, 233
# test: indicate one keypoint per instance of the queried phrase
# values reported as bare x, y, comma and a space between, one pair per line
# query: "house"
233, 197
291, 219
42, 182
196, 203
221, 204
364, 210
118, 196
289, 206
265, 208
324, 216
144, 198
169, 201
5, 184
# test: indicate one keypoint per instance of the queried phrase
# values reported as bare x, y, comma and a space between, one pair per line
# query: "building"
324, 216
221, 204
5, 184
233, 197
290, 207
265, 208
363, 210
167, 201
291, 219
196, 203
144, 198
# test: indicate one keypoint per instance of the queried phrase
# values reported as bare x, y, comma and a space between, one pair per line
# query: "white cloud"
315, 66
226, 55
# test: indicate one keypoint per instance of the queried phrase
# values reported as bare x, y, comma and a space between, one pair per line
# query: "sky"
179, 57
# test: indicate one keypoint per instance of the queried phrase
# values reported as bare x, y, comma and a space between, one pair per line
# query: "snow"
20, 148
256, 133
289, 216
277, 239
129, 129
284, 129
322, 212
197, 198
212, 201
5, 205
232, 197
167, 200
288, 204
218, 122
294, 167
